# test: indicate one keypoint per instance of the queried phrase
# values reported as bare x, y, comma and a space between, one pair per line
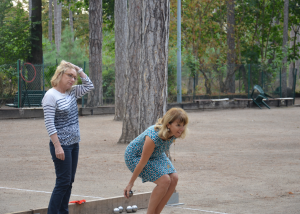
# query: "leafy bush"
108, 81
49, 72
8, 80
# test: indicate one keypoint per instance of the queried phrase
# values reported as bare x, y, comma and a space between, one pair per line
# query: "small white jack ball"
116, 210
121, 209
134, 208
129, 209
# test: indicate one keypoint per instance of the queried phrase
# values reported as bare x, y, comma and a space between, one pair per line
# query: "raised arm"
146, 154
86, 86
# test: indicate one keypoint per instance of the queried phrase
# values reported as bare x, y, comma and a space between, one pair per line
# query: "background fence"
209, 82
204, 82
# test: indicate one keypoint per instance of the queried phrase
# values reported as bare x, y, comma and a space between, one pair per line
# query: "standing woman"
61, 120
145, 157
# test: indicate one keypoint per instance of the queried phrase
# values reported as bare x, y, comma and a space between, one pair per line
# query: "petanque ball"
116, 210
129, 209
130, 193
120, 209
134, 208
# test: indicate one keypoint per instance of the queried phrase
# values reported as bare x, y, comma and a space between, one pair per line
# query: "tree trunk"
59, 19
190, 85
292, 65
36, 43
30, 8
50, 21
207, 84
95, 62
36, 33
297, 63
284, 45
154, 62
57, 23
121, 36
71, 21
244, 77
134, 44
230, 78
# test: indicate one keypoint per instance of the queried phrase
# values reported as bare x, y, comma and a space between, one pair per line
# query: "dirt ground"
233, 161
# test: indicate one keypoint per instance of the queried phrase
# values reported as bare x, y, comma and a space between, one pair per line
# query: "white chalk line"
28, 190
186, 208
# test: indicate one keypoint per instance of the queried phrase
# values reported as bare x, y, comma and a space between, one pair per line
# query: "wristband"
80, 70
55, 142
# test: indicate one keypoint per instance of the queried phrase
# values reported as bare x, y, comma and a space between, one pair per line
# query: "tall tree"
121, 36
95, 61
50, 16
294, 20
30, 8
146, 74
134, 44
230, 79
57, 23
36, 32
297, 63
293, 45
154, 62
71, 21
285, 47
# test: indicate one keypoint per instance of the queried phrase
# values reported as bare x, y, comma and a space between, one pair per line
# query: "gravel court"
233, 161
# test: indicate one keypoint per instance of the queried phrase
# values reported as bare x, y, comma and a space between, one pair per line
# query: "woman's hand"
127, 190
75, 66
59, 152
79, 71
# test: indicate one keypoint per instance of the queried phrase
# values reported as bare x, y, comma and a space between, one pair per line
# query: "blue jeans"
65, 174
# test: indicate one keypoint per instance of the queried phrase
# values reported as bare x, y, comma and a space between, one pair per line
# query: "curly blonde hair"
172, 115
60, 70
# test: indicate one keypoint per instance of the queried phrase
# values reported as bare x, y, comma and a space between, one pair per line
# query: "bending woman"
61, 120
145, 157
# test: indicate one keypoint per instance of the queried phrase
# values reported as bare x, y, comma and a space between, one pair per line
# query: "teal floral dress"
158, 164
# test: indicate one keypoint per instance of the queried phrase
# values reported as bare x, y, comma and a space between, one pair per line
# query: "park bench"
282, 100
30, 98
212, 103
212, 100
279, 101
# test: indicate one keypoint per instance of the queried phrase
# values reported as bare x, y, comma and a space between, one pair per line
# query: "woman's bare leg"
162, 186
167, 196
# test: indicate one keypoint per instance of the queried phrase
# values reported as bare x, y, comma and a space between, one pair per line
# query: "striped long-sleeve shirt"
61, 112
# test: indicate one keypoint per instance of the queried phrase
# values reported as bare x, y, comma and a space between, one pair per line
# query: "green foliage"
108, 81
80, 21
14, 32
108, 48
108, 63
49, 72
69, 50
172, 73
107, 10
8, 80
294, 19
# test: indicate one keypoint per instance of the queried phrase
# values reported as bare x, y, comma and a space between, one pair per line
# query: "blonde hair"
60, 70
172, 115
